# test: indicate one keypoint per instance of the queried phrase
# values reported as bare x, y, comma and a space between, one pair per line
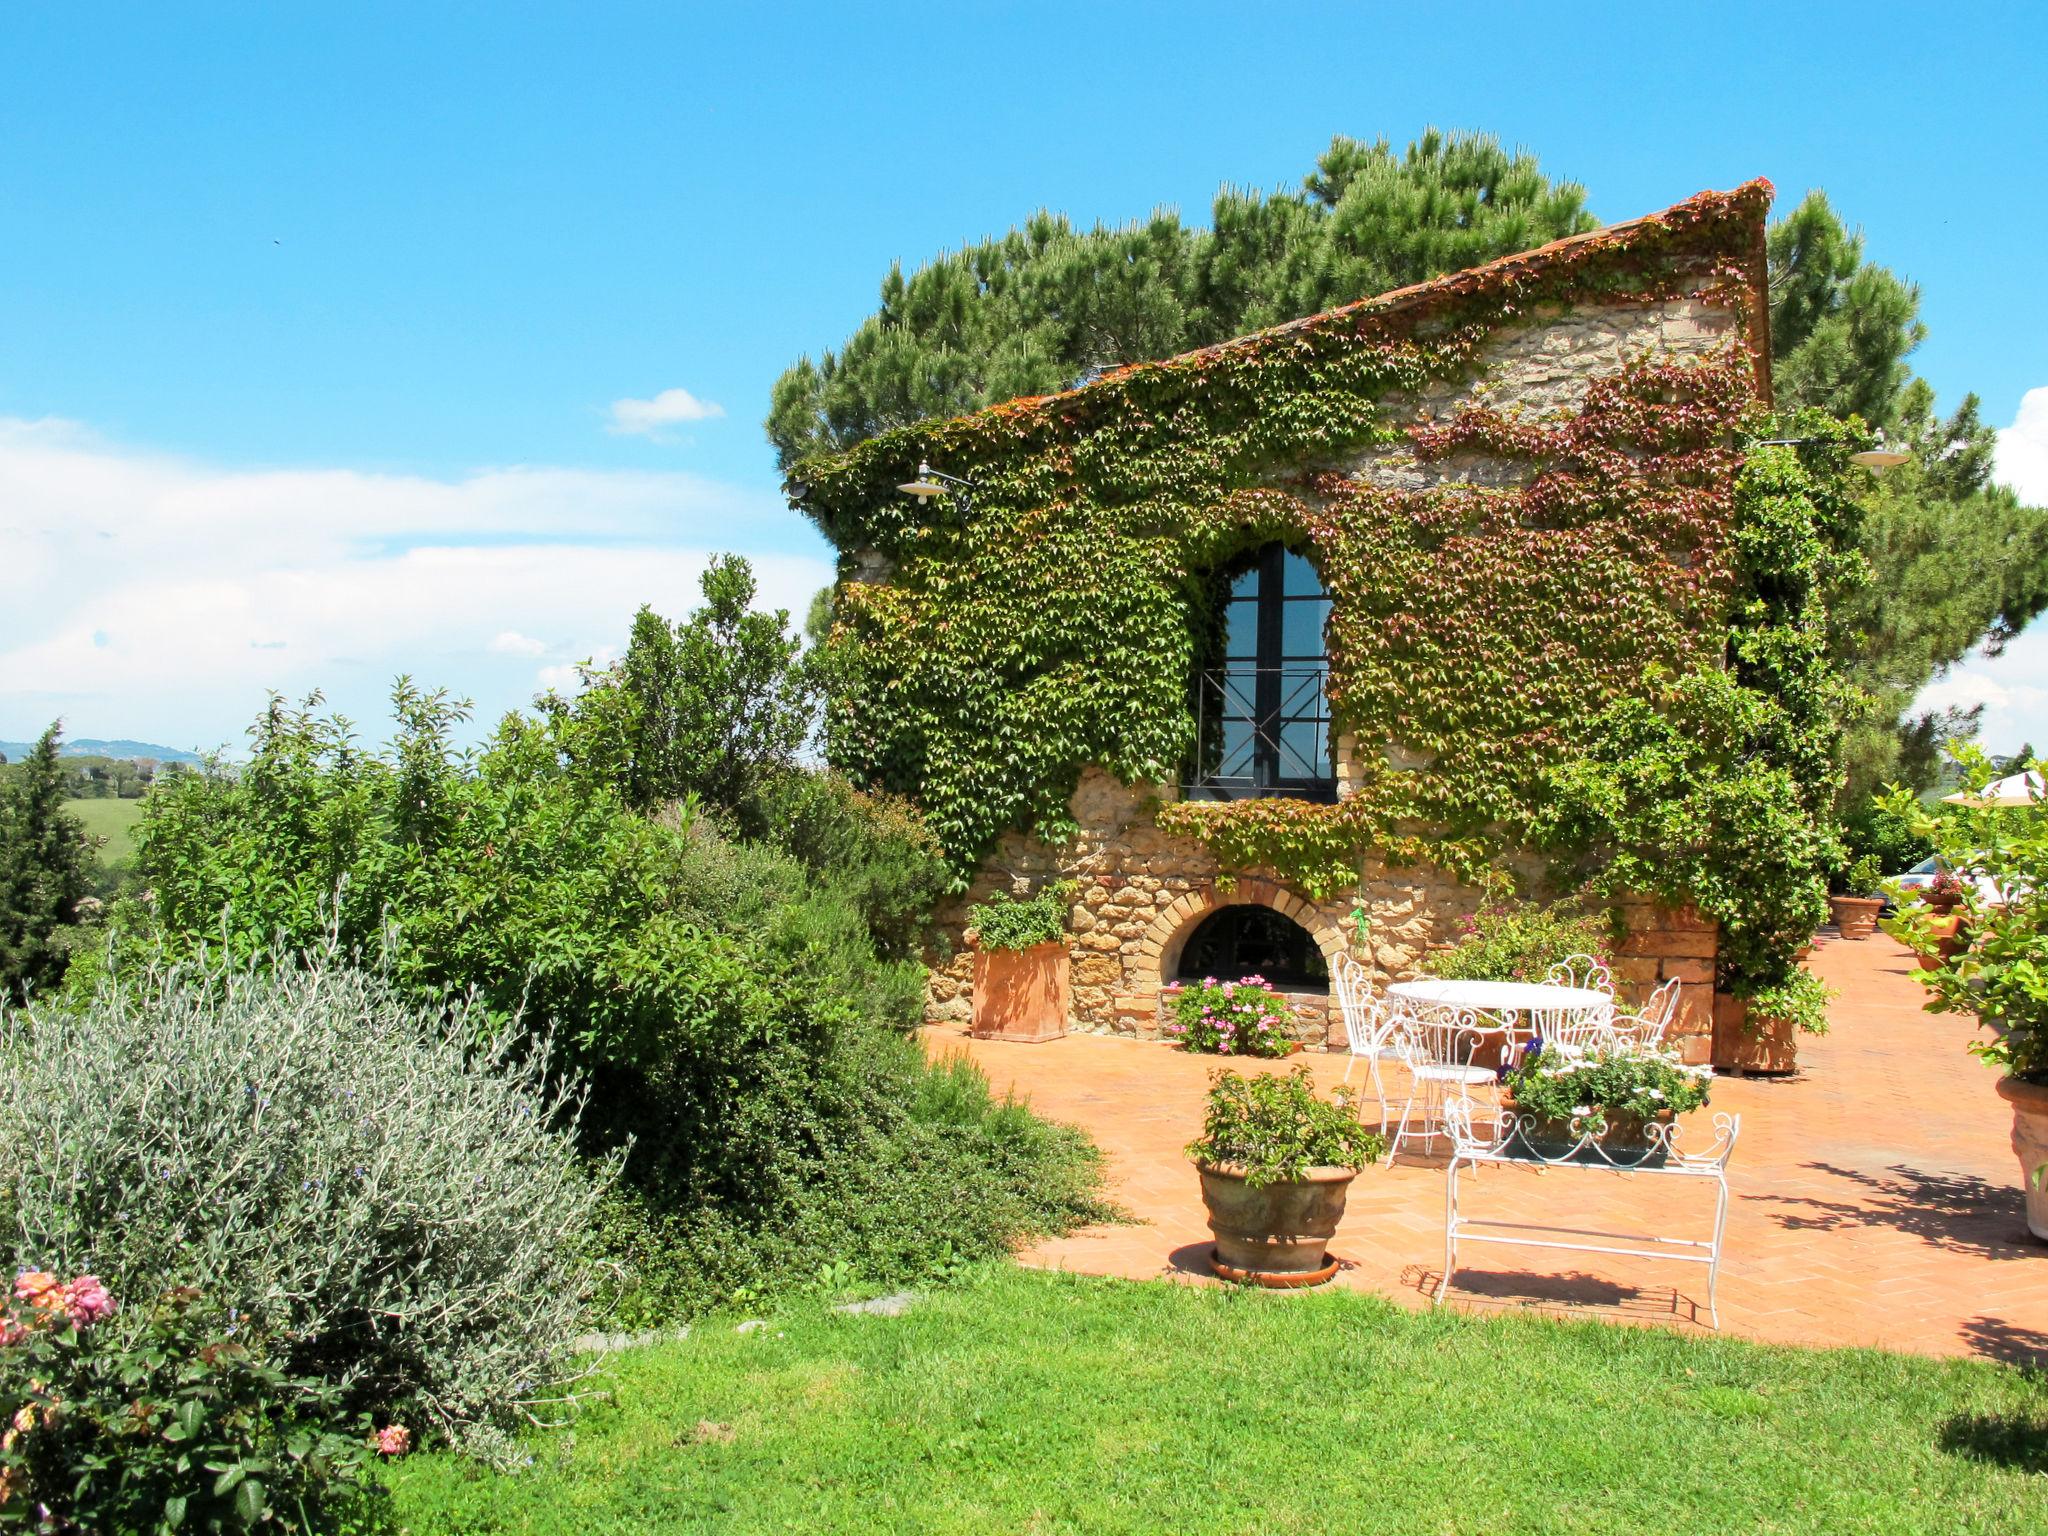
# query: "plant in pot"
1231, 1018
1999, 972
1612, 1105
1021, 985
1854, 908
1276, 1161
1758, 1031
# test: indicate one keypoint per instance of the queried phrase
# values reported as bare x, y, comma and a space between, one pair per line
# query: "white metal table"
1502, 1000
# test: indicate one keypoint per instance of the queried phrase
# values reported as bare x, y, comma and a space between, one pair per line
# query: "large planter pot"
2029, 1103
1855, 916
1277, 1235
1769, 1047
1021, 994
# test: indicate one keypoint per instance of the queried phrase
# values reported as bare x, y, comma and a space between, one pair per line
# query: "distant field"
112, 819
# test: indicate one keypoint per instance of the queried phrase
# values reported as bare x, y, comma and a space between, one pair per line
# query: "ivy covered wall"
1528, 491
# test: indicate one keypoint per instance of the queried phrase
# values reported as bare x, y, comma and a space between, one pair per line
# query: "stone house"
1383, 494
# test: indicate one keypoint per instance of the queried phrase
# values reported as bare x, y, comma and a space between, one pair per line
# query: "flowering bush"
180, 1422
1231, 1018
395, 1203
1520, 941
1272, 1128
1607, 1089
2001, 855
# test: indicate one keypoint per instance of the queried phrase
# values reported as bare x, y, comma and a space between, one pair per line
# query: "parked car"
1922, 876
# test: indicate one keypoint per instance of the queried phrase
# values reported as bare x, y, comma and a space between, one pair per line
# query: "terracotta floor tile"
1874, 1197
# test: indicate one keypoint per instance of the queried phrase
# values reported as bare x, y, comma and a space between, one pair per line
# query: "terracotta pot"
1949, 941
1741, 1044
1943, 902
2029, 1103
1855, 916
1021, 994
1277, 1235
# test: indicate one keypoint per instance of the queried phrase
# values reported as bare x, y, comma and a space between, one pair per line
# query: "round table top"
1501, 996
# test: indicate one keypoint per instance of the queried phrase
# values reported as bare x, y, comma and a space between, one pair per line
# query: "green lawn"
112, 819
1046, 1403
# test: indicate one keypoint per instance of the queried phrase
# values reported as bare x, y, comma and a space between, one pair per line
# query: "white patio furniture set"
1455, 1040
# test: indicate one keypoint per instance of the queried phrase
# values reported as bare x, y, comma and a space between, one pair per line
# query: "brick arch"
1159, 950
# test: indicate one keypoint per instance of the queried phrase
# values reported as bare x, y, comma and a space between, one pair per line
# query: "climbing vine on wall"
1053, 618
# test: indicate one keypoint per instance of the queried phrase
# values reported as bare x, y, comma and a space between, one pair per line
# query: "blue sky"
313, 317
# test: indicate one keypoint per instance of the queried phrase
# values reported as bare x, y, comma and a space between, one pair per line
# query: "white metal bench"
1507, 1139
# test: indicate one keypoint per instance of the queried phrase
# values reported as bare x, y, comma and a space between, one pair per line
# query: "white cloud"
148, 596
2021, 459
648, 418
567, 676
509, 642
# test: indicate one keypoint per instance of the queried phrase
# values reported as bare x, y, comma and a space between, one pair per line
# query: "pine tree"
45, 870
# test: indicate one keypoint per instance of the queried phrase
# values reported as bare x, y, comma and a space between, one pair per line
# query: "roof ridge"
1702, 208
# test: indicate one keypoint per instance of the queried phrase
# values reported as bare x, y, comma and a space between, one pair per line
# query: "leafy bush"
1242, 1018
1620, 1083
1004, 922
1876, 832
179, 1422
733, 970
1863, 877
397, 1204
1521, 941
1273, 1128
942, 1174
1801, 1000
2001, 854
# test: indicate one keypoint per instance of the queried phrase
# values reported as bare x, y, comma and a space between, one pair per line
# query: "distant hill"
86, 746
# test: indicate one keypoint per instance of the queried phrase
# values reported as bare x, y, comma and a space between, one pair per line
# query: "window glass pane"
1301, 627
1239, 690
1304, 750
1242, 620
1300, 579
1246, 585
1236, 762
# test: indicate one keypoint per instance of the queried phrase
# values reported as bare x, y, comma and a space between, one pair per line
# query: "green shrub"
1521, 941
1231, 1018
1877, 832
2001, 853
1273, 1127
396, 1203
176, 1420
1801, 1000
1004, 922
1623, 1083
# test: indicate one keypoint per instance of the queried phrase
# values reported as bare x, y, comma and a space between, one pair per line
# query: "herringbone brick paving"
1875, 1198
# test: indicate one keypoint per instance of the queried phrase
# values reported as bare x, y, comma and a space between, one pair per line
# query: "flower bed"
1231, 1018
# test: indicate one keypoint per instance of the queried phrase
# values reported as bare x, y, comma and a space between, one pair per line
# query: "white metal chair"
1439, 1047
1369, 1025
1585, 971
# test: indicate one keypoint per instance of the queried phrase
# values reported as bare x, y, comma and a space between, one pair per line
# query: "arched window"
1262, 690
1232, 943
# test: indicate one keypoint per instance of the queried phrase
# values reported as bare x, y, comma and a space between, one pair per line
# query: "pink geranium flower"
392, 1440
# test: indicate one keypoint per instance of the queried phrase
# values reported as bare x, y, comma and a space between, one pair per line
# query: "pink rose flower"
392, 1440
88, 1301
36, 1287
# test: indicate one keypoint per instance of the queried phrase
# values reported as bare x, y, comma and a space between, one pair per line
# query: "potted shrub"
1276, 1162
1231, 1018
1600, 1107
1856, 915
1021, 986
2000, 854
1759, 1033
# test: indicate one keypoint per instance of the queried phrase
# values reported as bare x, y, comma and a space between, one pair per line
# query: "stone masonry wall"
1141, 891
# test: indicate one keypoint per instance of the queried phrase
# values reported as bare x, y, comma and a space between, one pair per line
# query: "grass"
1034, 1402
115, 820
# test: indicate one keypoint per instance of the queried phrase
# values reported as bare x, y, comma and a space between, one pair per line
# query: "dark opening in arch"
1235, 942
